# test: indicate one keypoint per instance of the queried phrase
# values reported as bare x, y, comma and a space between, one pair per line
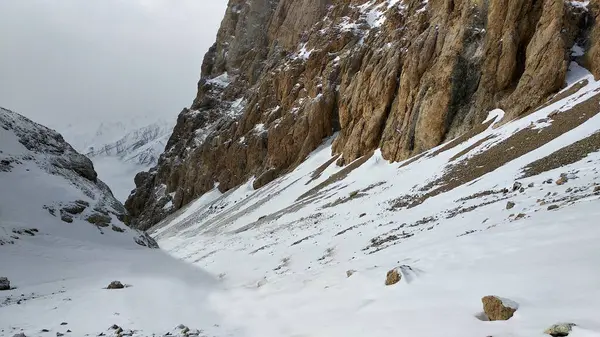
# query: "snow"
282, 256
303, 52
496, 115
273, 261
68, 278
222, 80
259, 128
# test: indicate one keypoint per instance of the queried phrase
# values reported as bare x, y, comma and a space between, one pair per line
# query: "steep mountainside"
50, 190
377, 248
399, 75
136, 150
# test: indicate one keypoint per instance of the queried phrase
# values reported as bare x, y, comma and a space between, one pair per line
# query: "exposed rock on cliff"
400, 75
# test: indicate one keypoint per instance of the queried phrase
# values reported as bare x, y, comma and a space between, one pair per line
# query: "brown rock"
498, 309
562, 180
393, 276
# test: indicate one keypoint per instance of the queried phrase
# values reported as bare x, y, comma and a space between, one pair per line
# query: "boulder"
560, 329
115, 285
498, 309
517, 186
4, 283
393, 276
562, 180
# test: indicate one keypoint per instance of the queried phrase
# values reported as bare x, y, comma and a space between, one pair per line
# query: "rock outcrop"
400, 75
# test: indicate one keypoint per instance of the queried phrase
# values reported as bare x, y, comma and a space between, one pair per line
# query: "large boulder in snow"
4, 283
498, 309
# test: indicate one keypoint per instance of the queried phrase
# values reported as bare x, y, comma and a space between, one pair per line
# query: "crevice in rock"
390, 105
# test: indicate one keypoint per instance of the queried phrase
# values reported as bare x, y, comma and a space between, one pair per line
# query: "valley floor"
60, 281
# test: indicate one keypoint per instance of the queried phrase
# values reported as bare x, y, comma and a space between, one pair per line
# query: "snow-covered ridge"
47, 185
141, 146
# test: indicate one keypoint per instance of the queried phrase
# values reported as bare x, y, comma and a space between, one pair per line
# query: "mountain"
507, 209
399, 76
52, 190
63, 241
141, 146
135, 150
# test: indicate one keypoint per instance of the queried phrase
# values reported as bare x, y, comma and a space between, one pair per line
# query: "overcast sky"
82, 62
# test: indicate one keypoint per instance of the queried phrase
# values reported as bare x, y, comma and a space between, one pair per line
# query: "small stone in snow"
562, 180
4, 283
363, 214
350, 272
181, 326
64, 323
510, 205
517, 186
551, 207
115, 285
20, 335
45, 330
58, 334
561, 329
392, 277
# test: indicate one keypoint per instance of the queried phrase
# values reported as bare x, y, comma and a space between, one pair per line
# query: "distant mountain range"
121, 149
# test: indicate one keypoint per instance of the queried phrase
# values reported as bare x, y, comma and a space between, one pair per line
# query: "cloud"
85, 62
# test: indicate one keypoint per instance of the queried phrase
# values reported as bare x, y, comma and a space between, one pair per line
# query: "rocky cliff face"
400, 75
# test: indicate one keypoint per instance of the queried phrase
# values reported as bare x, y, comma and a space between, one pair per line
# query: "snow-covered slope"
119, 159
62, 242
49, 187
510, 209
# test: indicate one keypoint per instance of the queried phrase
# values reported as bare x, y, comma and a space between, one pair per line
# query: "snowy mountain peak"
141, 146
119, 152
